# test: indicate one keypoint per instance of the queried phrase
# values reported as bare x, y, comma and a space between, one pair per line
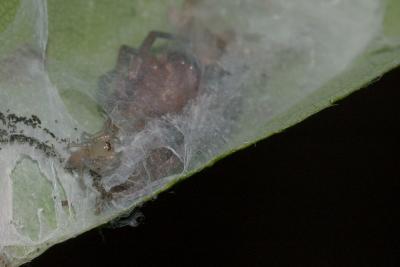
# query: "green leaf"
288, 60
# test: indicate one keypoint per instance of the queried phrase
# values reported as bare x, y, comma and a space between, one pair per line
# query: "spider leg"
151, 38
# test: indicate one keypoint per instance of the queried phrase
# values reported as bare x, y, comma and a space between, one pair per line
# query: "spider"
143, 85
148, 85
96, 154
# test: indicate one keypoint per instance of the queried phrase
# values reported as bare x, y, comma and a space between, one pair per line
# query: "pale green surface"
32, 192
7, 12
65, 48
392, 19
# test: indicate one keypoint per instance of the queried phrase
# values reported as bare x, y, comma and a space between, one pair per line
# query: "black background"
323, 193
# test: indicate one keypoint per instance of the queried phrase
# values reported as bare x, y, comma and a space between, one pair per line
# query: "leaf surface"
287, 61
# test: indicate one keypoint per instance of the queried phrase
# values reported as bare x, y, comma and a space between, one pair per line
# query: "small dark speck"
49, 132
2, 118
36, 119
76, 129
56, 121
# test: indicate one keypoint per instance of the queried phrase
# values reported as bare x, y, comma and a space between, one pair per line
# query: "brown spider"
148, 85
97, 154
143, 85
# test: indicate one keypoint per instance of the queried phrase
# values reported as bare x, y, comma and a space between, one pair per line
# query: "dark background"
323, 193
